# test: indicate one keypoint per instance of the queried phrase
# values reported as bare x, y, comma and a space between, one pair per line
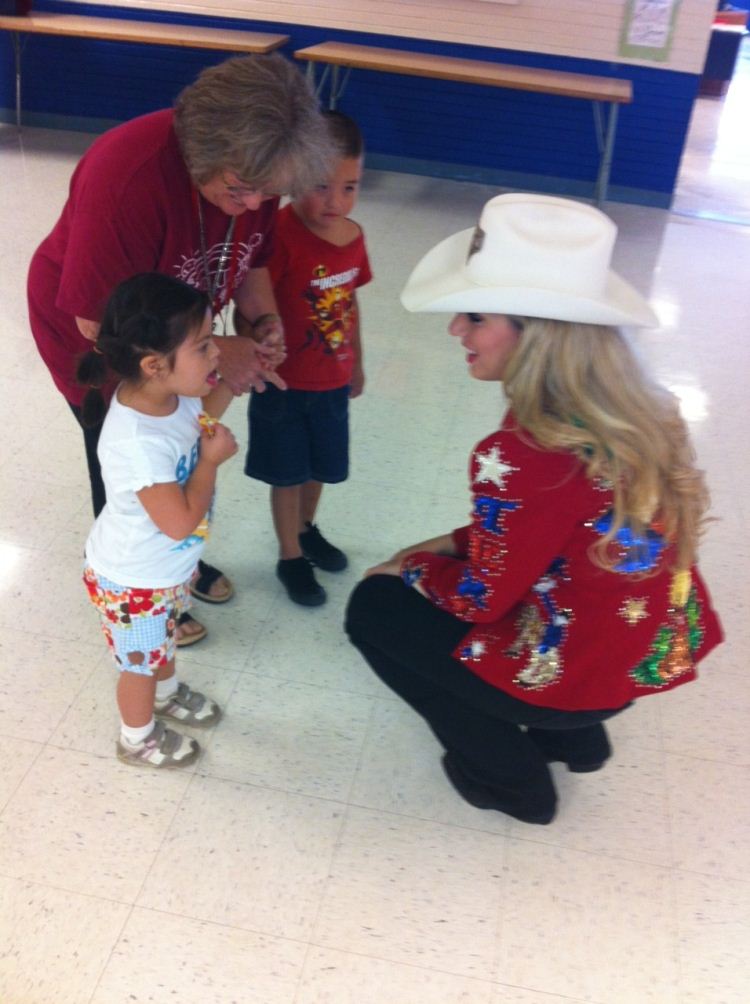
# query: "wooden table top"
149, 32
420, 64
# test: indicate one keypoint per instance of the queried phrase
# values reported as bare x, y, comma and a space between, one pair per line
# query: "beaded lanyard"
226, 266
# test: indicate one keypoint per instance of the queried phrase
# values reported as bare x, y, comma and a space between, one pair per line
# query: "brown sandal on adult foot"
189, 631
211, 585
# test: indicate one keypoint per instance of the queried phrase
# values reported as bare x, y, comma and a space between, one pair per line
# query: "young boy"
299, 438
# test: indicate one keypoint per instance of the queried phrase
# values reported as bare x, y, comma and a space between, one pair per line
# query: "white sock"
135, 735
166, 688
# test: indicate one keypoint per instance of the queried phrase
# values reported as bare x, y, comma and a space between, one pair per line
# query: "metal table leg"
338, 85
606, 145
16, 37
320, 85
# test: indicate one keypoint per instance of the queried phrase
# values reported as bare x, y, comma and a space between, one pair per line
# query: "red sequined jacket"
545, 624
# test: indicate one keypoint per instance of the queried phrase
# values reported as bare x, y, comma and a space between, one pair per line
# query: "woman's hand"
243, 365
436, 545
267, 329
390, 567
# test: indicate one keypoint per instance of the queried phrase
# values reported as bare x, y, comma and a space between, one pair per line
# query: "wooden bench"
605, 92
148, 32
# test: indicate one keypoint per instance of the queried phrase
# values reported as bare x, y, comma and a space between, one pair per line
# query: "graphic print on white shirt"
136, 451
183, 471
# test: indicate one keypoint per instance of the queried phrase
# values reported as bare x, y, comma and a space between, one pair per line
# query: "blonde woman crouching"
573, 591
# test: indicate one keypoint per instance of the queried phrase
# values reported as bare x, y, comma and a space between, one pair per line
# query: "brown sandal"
195, 636
200, 587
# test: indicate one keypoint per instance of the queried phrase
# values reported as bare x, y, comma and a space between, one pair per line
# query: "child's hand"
271, 354
268, 334
357, 383
217, 444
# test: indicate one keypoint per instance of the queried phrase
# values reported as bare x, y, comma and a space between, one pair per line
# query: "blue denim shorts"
298, 436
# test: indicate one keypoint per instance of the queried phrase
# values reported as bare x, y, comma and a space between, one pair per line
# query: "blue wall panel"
443, 127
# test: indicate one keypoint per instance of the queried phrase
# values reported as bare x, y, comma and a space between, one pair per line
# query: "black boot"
528, 806
582, 750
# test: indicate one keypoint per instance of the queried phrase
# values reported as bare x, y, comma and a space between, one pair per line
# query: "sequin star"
493, 468
634, 610
474, 650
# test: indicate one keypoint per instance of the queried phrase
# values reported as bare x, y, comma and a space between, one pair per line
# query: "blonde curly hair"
580, 387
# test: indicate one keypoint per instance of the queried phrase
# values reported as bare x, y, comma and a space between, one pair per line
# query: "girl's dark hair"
150, 314
345, 133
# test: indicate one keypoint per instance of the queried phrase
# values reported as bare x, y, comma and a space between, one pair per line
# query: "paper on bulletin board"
647, 29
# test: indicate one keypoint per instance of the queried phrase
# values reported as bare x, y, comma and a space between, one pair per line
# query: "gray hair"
257, 117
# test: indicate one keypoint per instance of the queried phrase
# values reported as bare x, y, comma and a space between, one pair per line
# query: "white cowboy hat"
532, 256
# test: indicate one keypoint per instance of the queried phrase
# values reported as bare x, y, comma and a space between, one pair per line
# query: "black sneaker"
300, 583
322, 554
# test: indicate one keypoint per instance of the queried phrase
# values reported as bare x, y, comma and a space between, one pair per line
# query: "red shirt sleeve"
265, 218
277, 259
365, 273
526, 503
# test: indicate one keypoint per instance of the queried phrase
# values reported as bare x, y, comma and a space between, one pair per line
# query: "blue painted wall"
432, 127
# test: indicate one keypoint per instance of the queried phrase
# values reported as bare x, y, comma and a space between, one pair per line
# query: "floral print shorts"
139, 624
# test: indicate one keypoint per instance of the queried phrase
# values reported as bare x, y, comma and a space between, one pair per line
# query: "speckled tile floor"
316, 853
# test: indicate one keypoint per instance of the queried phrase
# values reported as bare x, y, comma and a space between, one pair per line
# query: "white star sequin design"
493, 468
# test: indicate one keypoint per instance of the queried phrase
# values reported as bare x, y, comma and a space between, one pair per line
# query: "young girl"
159, 453
573, 591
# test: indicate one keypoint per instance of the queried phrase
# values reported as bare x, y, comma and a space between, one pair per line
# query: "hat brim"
439, 284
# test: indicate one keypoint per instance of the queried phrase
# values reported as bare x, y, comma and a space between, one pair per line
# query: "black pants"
408, 642
91, 441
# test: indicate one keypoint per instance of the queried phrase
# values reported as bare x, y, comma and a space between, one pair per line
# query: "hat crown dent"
543, 243
530, 256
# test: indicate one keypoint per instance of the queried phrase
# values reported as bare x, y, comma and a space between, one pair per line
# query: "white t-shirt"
136, 451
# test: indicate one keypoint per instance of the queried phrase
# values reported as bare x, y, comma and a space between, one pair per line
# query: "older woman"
190, 192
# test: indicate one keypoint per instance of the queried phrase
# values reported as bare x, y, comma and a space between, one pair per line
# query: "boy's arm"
256, 315
249, 361
358, 372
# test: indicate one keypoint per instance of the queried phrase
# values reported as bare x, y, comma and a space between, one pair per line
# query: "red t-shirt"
543, 622
131, 208
314, 283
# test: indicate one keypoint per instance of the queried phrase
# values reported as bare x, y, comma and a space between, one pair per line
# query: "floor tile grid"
419, 972
681, 811
30, 753
133, 906
88, 656
204, 773
528, 843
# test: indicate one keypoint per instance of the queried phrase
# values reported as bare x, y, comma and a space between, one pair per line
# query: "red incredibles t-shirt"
314, 283
131, 208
